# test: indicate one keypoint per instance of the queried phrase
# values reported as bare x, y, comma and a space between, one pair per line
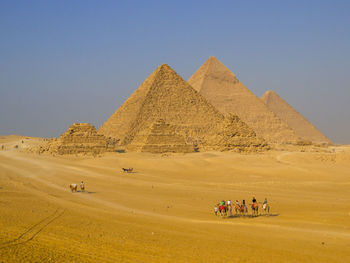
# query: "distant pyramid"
165, 95
221, 87
295, 120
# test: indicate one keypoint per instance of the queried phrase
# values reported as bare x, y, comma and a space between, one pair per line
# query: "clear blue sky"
77, 61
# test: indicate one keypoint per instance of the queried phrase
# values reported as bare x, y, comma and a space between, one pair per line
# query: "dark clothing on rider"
254, 200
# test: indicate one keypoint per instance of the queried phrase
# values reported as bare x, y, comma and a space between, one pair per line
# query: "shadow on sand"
249, 216
85, 192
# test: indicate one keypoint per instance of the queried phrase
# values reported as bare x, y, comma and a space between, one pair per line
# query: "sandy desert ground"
163, 212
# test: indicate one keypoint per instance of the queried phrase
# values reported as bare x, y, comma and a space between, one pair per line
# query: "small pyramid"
165, 95
222, 89
160, 138
294, 119
80, 138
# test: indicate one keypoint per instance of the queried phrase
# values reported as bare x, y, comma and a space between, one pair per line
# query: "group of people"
224, 208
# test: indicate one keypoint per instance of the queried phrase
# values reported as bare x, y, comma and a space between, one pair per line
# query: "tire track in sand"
31, 232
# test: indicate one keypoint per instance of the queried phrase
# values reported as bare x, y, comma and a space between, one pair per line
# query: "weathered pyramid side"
294, 119
80, 138
235, 135
221, 87
165, 95
160, 138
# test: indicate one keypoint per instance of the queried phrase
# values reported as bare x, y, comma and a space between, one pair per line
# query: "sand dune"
163, 212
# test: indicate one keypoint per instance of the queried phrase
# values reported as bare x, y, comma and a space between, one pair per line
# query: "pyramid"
222, 89
80, 138
165, 95
295, 120
160, 138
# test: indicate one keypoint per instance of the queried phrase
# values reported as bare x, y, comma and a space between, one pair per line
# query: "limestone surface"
221, 87
165, 95
160, 138
294, 119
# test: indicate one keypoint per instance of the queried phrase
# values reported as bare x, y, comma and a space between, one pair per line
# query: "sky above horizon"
77, 61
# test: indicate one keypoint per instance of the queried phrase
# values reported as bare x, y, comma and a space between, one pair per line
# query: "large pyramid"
165, 95
295, 120
221, 87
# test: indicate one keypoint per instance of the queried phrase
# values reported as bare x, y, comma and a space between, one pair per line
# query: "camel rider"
228, 202
254, 200
265, 203
237, 203
255, 203
243, 203
216, 210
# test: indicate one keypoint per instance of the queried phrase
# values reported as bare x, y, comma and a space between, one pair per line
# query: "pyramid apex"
268, 94
164, 66
212, 57
211, 68
214, 65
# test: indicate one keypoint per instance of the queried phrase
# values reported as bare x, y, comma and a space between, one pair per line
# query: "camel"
223, 210
243, 209
255, 209
237, 208
266, 208
229, 208
126, 170
73, 187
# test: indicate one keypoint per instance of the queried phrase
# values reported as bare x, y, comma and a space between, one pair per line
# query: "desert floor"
163, 212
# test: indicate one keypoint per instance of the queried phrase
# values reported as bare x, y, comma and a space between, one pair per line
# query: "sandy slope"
163, 211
